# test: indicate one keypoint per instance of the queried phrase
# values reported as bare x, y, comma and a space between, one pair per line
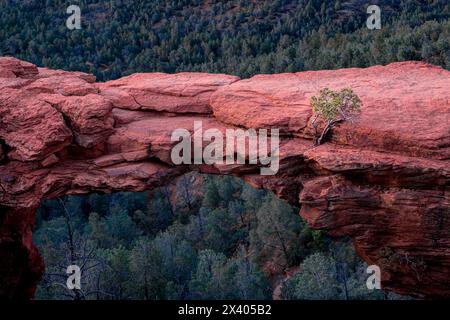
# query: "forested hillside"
219, 240
241, 37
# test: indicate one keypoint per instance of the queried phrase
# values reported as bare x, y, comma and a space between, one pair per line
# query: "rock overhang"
378, 180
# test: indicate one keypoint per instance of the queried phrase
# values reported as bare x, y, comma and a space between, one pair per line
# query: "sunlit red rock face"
382, 180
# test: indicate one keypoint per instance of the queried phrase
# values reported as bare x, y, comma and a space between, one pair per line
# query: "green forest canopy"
241, 37
219, 240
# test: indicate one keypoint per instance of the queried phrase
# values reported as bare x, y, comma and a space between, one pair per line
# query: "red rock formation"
382, 180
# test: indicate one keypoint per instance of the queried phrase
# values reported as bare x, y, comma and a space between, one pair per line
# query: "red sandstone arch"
384, 181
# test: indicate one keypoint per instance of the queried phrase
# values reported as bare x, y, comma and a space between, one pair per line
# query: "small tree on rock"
333, 107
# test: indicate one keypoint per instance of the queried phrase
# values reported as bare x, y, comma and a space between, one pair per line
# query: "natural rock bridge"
383, 180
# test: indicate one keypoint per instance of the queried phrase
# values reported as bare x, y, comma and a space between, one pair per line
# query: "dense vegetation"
241, 37
219, 240
333, 107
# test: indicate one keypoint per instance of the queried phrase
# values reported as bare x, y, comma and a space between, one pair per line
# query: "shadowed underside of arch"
382, 180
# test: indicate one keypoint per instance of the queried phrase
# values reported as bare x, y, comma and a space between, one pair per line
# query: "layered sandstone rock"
382, 180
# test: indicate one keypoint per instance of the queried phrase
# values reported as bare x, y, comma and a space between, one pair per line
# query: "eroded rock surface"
382, 180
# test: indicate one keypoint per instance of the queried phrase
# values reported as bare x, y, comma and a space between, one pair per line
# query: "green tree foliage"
154, 247
159, 215
149, 276
277, 230
116, 278
121, 37
219, 231
317, 280
120, 229
333, 107
209, 276
211, 199
217, 277
335, 274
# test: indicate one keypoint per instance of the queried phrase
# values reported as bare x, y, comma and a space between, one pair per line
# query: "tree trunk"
329, 126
